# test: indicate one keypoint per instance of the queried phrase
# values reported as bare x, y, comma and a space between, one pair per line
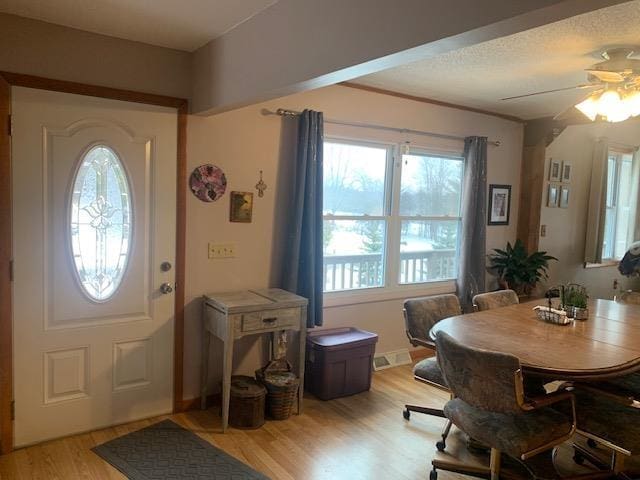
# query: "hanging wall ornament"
261, 186
208, 182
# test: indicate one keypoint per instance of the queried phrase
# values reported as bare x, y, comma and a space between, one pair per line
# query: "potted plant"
517, 269
574, 300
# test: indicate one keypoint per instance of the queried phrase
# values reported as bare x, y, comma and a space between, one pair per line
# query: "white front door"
94, 192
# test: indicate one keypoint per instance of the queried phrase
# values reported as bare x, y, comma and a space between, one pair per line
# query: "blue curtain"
473, 245
302, 261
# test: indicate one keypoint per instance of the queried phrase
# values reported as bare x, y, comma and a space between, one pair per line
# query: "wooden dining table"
605, 345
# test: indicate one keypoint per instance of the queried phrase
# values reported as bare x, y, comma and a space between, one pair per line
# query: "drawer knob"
269, 320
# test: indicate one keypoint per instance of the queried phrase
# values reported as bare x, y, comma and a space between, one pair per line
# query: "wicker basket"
282, 386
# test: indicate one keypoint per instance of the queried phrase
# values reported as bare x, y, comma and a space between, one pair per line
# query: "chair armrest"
545, 400
419, 342
611, 392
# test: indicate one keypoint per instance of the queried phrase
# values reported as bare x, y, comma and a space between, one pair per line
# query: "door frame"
8, 80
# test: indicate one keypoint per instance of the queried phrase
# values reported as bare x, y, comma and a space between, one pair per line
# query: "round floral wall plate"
208, 183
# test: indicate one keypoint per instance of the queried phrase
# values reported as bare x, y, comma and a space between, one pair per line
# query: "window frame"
422, 151
618, 155
391, 288
387, 202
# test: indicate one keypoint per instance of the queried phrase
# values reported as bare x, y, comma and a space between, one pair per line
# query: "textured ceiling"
180, 24
548, 57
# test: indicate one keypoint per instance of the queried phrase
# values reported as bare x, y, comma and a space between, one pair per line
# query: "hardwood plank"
359, 437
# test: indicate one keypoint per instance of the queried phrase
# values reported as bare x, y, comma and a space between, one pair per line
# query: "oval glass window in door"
100, 222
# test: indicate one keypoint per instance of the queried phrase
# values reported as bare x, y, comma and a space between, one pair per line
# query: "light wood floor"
358, 437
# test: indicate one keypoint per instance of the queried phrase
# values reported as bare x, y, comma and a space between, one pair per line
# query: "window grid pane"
353, 254
428, 250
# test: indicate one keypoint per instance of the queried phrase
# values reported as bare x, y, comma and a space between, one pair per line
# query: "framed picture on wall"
241, 207
499, 204
566, 172
554, 193
555, 170
564, 196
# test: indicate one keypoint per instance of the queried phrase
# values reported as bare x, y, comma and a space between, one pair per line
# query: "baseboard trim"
194, 403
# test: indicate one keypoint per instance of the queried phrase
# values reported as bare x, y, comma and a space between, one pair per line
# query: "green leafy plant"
575, 296
517, 269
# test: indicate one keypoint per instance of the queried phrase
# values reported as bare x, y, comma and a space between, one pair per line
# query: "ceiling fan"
616, 84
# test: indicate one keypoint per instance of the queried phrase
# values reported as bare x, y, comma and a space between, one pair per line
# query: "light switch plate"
222, 250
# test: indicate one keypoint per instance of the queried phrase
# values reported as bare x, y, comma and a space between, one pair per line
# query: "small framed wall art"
565, 192
554, 193
499, 204
566, 172
555, 170
241, 207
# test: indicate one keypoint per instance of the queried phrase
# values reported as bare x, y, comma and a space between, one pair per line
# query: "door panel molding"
8, 79
54, 320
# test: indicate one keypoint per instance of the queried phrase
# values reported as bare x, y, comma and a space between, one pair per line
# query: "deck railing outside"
346, 272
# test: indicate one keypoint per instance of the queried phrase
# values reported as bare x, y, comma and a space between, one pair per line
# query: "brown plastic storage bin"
339, 362
246, 409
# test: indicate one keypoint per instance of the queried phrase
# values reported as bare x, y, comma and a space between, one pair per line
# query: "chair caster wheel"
441, 446
433, 475
578, 458
592, 443
406, 414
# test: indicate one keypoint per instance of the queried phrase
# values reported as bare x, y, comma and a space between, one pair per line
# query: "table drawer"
270, 319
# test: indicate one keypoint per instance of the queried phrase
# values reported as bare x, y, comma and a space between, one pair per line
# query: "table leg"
226, 381
302, 357
204, 379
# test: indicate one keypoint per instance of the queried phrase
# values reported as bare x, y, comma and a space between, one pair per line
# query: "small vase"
576, 313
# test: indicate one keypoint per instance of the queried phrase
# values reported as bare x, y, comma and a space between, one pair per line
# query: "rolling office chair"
490, 405
420, 314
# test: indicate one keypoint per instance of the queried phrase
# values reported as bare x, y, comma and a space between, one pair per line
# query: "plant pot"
576, 313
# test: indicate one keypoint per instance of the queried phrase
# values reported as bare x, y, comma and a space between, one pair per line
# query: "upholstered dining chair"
489, 300
606, 421
420, 314
490, 406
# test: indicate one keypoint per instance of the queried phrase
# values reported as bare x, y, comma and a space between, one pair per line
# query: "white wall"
243, 142
47, 50
566, 228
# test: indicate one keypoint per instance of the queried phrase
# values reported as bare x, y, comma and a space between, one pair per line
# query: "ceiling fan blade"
607, 75
584, 85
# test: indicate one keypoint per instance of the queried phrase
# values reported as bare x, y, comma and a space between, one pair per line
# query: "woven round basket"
282, 387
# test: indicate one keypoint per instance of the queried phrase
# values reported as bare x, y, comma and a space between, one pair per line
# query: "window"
389, 223
100, 223
618, 224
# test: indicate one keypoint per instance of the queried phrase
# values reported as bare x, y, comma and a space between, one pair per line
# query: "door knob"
166, 288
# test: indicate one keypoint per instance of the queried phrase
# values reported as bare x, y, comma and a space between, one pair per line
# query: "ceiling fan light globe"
608, 102
633, 103
589, 108
618, 116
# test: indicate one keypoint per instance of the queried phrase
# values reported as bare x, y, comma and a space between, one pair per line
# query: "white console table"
230, 316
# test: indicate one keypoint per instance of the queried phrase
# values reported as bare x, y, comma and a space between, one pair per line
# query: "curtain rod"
283, 112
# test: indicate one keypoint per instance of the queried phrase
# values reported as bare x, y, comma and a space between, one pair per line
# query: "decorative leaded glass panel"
100, 222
